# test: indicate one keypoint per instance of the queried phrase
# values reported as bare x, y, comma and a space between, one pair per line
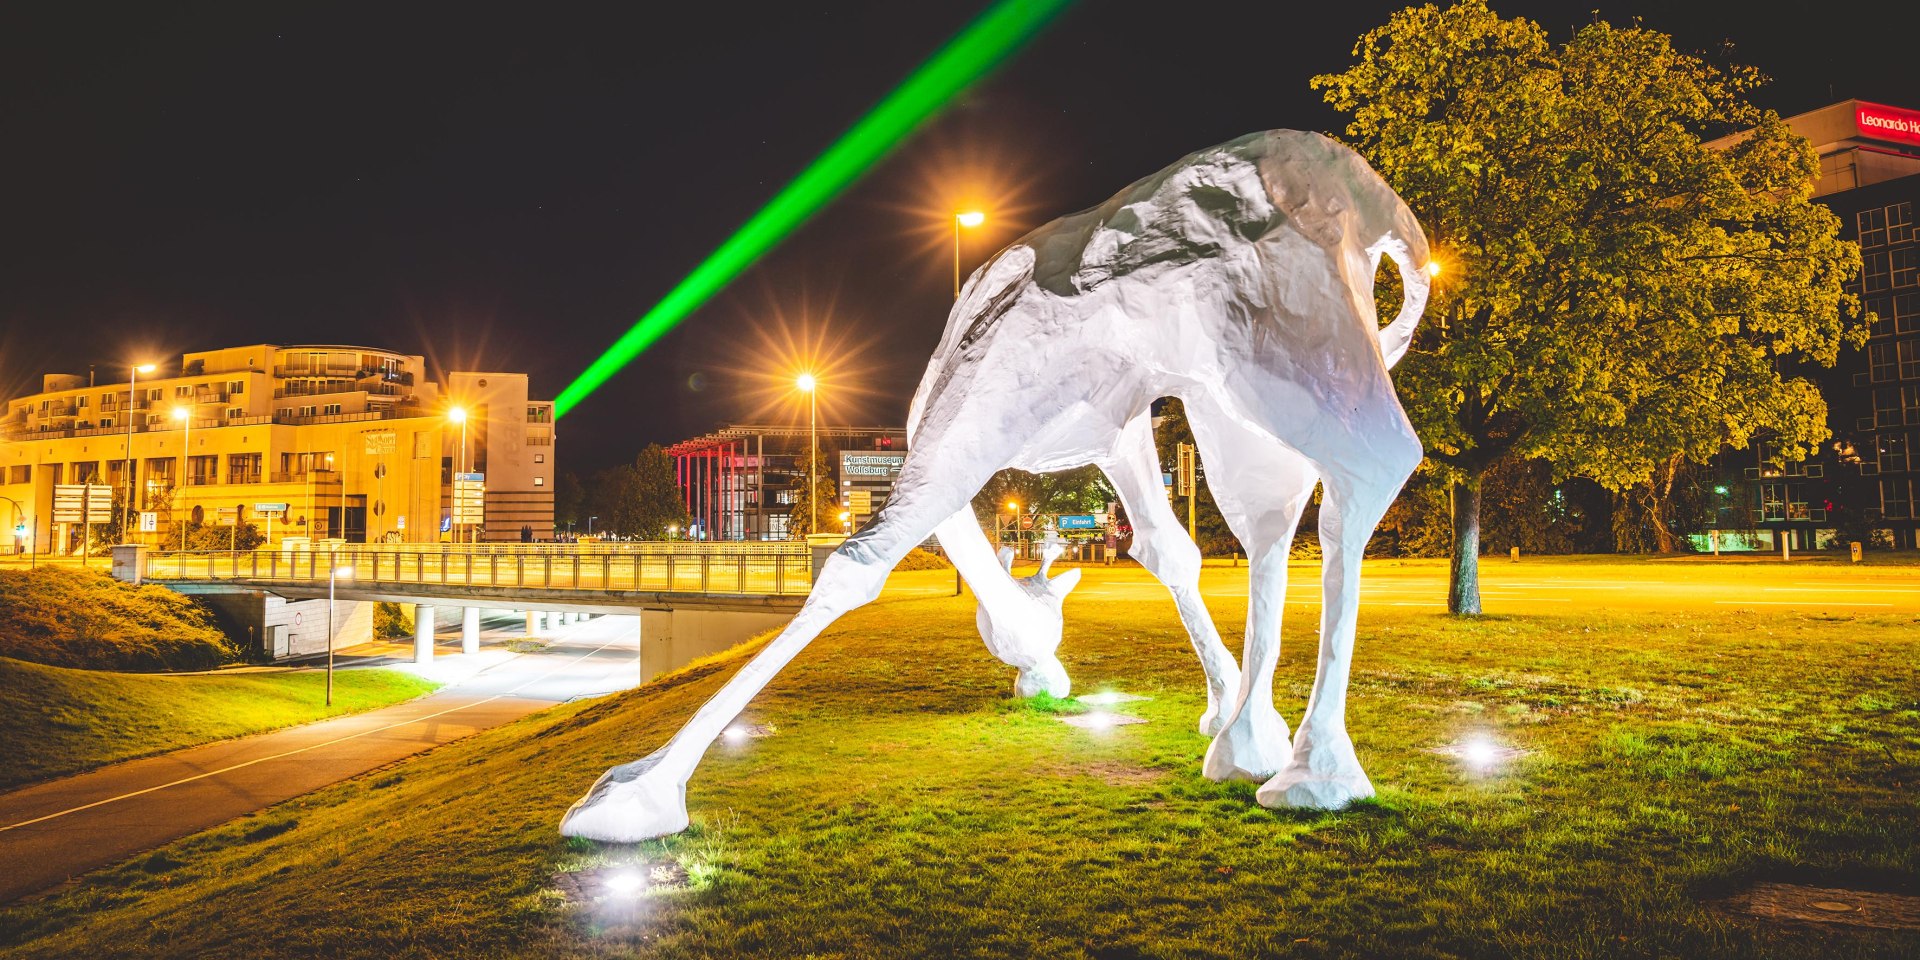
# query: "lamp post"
459, 415
185, 416
806, 383
969, 219
126, 512
333, 572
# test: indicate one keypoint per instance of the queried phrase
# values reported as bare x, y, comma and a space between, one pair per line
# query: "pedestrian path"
51, 832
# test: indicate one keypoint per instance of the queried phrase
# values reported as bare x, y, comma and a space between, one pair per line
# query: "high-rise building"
320, 442
1867, 477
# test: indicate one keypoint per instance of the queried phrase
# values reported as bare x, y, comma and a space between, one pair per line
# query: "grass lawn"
56, 721
905, 805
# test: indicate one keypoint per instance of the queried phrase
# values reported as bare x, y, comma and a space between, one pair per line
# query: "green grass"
57, 721
905, 805
88, 620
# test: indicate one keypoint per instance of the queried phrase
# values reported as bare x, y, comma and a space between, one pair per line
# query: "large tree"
1616, 292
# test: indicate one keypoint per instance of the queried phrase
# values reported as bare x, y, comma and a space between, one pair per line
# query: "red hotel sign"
1887, 123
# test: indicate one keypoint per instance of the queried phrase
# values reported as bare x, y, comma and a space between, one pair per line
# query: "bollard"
1853, 550
1515, 554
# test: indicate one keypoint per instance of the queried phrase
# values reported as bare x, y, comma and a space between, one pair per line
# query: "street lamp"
806, 383
185, 416
846, 522
459, 415
969, 219
333, 572
126, 512
673, 530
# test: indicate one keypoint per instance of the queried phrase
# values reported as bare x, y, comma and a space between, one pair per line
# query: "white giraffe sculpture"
1240, 280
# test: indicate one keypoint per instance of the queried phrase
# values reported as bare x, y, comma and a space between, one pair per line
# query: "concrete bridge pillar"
422, 633
470, 630
533, 623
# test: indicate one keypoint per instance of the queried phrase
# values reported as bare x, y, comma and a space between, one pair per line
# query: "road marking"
1840, 588
312, 746
1799, 603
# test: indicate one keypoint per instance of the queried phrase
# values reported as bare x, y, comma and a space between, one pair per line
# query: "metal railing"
725, 569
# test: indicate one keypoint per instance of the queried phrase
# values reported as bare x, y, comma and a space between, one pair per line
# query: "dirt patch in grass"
1793, 903
1113, 773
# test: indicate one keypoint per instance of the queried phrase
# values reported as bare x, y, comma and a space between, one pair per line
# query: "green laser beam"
983, 44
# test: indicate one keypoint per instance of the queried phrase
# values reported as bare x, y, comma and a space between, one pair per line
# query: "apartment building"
321, 442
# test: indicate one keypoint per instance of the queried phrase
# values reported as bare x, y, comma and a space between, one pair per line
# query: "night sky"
511, 188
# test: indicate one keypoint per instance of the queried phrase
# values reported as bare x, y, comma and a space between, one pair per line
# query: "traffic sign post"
469, 500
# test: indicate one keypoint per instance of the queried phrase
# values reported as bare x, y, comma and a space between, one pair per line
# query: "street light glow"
343, 571
181, 414
145, 368
1433, 268
457, 414
971, 218
805, 382
1013, 507
984, 43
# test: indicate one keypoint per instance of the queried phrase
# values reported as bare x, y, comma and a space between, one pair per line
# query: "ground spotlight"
626, 883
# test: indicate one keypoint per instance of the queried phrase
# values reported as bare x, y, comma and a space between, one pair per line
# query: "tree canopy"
1619, 291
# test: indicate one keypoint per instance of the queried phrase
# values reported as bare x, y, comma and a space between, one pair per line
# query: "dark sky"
510, 188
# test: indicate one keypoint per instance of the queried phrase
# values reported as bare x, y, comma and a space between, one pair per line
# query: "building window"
1893, 452
1879, 271
1900, 222
539, 481
1906, 311
539, 458
1910, 359
236, 386
1880, 363
243, 468
82, 402
1873, 227
106, 421
330, 409
235, 413
1906, 261
182, 392
308, 411
1896, 498
155, 394
22, 473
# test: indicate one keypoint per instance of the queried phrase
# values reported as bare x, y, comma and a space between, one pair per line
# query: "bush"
392, 620
88, 620
920, 558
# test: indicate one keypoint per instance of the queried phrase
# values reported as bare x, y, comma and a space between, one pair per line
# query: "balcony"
243, 476
316, 477
287, 416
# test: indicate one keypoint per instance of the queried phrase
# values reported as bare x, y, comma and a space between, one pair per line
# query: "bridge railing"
705, 568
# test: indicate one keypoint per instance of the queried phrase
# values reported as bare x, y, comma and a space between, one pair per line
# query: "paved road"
53, 831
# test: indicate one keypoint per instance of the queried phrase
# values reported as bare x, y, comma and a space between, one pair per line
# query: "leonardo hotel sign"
1887, 123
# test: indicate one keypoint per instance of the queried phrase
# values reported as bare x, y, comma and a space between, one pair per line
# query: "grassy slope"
906, 806
57, 721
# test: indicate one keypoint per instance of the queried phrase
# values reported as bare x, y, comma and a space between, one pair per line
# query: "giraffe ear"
1063, 584
1006, 559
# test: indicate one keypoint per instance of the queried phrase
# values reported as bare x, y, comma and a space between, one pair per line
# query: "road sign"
273, 509
1079, 521
228, 517
149, 521
82, 503
1183, 470
860, 501
469, 498
401, 523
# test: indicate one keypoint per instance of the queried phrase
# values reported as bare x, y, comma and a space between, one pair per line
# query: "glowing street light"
807, 383
846, 521
185, 416
969, 219
1433, 268
126, 512
459, 415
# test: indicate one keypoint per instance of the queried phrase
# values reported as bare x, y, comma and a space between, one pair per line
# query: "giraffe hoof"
629, 803
1300, 789
1250, 746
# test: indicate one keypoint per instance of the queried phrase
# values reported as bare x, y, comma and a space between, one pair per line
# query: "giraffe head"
1028, 641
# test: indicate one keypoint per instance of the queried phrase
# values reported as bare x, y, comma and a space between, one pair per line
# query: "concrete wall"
279, 629
670, 639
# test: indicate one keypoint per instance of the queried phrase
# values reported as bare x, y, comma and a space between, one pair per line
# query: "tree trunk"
1463, 580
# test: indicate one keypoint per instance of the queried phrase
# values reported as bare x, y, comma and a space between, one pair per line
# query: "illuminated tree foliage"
639, 500
1617, 294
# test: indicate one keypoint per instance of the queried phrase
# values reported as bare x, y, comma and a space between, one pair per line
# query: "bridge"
691, 596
